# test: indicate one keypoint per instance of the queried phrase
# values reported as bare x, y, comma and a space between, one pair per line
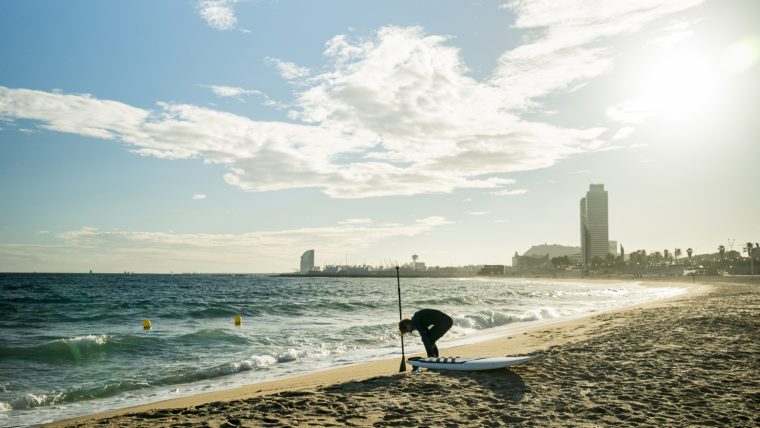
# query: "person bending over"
431, 324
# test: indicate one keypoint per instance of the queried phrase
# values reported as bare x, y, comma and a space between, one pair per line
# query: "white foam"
28, 401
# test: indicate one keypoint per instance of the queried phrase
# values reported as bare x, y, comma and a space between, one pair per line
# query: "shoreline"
523, 341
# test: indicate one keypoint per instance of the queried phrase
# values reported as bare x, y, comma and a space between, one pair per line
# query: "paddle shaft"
400, 317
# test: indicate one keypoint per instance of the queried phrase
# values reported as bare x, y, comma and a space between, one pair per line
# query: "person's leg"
439, 329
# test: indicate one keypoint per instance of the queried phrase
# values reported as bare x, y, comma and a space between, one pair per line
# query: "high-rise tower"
307, 261
594, 224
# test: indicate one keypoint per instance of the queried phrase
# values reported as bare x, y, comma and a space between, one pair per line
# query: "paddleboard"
469, 363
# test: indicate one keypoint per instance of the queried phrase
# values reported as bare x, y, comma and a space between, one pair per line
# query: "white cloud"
623, 133
246, 252
673, 34
289, 70
238, 93
76, 114
218, 14
356, 221
392, 114
199, 196
477, 212
230, 91
572, 42
632, 111
360, 234
510, 192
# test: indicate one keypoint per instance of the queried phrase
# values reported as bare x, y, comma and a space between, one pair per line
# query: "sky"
233, 135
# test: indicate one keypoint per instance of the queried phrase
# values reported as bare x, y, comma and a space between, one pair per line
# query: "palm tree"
656, 258
689, 251
722, 251
596, 262
677, 252
748, 249
609, 260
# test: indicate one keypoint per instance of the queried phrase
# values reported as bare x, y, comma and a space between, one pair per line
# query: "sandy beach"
690, 360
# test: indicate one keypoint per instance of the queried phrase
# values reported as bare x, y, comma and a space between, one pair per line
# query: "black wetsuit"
431, 324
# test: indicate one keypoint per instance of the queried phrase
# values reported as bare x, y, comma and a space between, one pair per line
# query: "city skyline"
231, 136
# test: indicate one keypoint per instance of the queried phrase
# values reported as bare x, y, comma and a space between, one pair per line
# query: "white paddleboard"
469, 363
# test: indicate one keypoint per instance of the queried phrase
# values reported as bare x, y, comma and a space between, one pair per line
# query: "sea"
74, 344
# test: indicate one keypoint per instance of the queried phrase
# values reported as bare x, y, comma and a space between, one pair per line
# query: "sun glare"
681, 85
742, 55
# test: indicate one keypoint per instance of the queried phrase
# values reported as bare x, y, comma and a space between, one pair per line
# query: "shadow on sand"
500, 384
503, 383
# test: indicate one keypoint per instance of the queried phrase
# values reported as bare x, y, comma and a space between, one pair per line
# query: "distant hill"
552, 250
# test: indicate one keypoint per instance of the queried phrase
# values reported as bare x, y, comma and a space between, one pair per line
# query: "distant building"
553, 250
613, 248
417, 265
492, 270
594, 224
307, 261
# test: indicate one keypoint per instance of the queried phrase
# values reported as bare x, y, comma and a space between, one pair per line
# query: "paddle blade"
403, 365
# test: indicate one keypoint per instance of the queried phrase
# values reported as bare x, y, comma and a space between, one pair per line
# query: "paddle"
403, 358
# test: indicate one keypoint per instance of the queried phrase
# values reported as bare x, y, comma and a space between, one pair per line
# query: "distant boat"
90, 271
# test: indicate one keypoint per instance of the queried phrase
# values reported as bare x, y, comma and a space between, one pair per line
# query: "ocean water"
72, 345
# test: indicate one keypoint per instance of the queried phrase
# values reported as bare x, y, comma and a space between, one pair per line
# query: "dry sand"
691, 360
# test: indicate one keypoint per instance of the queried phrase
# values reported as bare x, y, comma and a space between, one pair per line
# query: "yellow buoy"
146, 325
238, 320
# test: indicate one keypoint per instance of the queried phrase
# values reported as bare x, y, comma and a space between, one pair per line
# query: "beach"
690, 360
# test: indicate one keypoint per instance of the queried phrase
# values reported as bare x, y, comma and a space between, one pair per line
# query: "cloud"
510, 192
623, 133
289, 70
75, 114
238, 93
356, 221
395, 113
218, 14
246, 252
572, 42
230, 91
477, 212
199, 196
632, 111
353, 234
673, 34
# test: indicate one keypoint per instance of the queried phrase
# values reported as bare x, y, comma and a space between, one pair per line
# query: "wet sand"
690, 360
